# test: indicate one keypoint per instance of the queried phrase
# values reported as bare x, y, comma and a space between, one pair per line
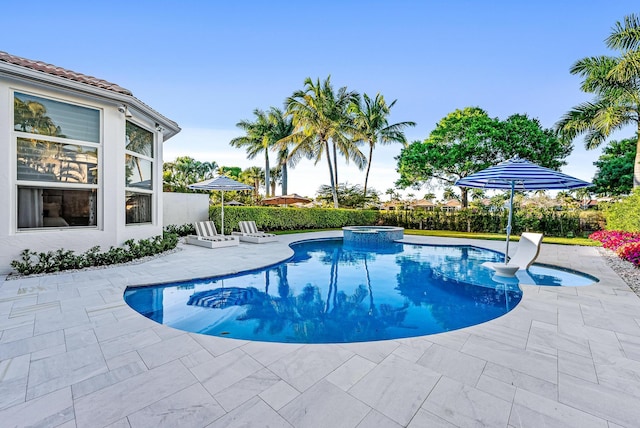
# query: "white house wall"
111, 230
183, 208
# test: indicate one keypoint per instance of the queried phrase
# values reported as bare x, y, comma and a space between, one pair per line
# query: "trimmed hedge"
277, 218
548, 221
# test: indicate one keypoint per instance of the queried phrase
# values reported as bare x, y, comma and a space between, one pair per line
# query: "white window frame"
15, 134
153, 161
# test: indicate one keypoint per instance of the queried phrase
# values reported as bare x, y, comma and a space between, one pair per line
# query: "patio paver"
73, 354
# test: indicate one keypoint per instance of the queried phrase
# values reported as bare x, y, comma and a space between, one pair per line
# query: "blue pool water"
330, 292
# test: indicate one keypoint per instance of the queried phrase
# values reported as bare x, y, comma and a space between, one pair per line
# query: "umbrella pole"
506, 254
222, 212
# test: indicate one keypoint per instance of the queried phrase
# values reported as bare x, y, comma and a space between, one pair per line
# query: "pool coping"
73, 353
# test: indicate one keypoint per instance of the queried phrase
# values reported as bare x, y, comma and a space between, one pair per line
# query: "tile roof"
62, 72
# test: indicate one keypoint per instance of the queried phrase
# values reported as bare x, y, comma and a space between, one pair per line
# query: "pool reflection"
328, 293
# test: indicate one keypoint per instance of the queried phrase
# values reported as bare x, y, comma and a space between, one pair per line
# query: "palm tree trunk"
636, 165
366, 176
266, 172
333, 185
256, 186
335, 165
284, 178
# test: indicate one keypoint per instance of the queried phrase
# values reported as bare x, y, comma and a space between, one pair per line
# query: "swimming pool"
330, 292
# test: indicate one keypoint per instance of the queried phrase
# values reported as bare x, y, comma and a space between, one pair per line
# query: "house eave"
169, 127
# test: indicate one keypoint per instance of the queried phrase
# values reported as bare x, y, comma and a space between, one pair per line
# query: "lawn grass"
490, 236
501, 237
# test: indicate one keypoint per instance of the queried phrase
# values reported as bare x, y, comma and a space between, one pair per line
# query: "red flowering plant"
630, 252
613, 239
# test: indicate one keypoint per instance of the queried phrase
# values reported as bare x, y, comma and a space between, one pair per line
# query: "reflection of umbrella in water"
220, 298
221, 183
291, 198
519, 174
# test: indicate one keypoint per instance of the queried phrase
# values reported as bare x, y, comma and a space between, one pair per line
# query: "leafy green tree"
185, 170
372, 126
467, 141
614, 175
615, 83
233, 172
257, 140
525, 137
624, 214
320, 116
460, 145
348, 196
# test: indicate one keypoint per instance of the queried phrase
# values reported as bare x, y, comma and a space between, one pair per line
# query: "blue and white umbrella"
223, 184
519, 174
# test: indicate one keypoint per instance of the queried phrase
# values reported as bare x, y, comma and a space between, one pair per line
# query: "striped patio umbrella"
519, 174
223, 184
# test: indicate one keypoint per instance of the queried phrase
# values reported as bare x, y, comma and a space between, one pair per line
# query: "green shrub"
184, 230
31, 262
625, 214
288, 218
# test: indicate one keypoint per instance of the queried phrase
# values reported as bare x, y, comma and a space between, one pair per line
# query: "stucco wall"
112, 228
182, 208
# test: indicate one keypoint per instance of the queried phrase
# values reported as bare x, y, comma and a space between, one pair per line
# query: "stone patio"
73, 354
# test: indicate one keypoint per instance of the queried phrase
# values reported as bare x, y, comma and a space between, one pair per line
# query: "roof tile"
62, 72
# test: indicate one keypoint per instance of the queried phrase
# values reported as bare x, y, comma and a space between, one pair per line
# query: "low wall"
182, 208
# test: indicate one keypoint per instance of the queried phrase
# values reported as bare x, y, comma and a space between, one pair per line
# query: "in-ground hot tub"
371, 235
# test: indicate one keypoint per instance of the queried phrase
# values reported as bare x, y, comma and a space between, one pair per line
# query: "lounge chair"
249, 233
208, 236
527, 252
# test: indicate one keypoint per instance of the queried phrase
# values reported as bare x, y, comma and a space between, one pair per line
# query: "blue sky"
209, 64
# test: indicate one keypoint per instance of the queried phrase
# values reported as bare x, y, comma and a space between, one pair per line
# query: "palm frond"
625, 35
577, 121
627, 70
595, 71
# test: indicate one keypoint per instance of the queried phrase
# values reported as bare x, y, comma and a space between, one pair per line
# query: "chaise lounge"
527, 252
207, 236
249, 233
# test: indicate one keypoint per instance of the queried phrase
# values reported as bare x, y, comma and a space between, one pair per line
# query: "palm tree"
372, 126
281, 128
185, 170
448, 194
615, 81
257, 139
276, 178
253, 175
319, 115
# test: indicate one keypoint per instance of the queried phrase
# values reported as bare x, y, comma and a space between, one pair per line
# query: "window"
139, 174
57, 148
36, 115
41, 207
